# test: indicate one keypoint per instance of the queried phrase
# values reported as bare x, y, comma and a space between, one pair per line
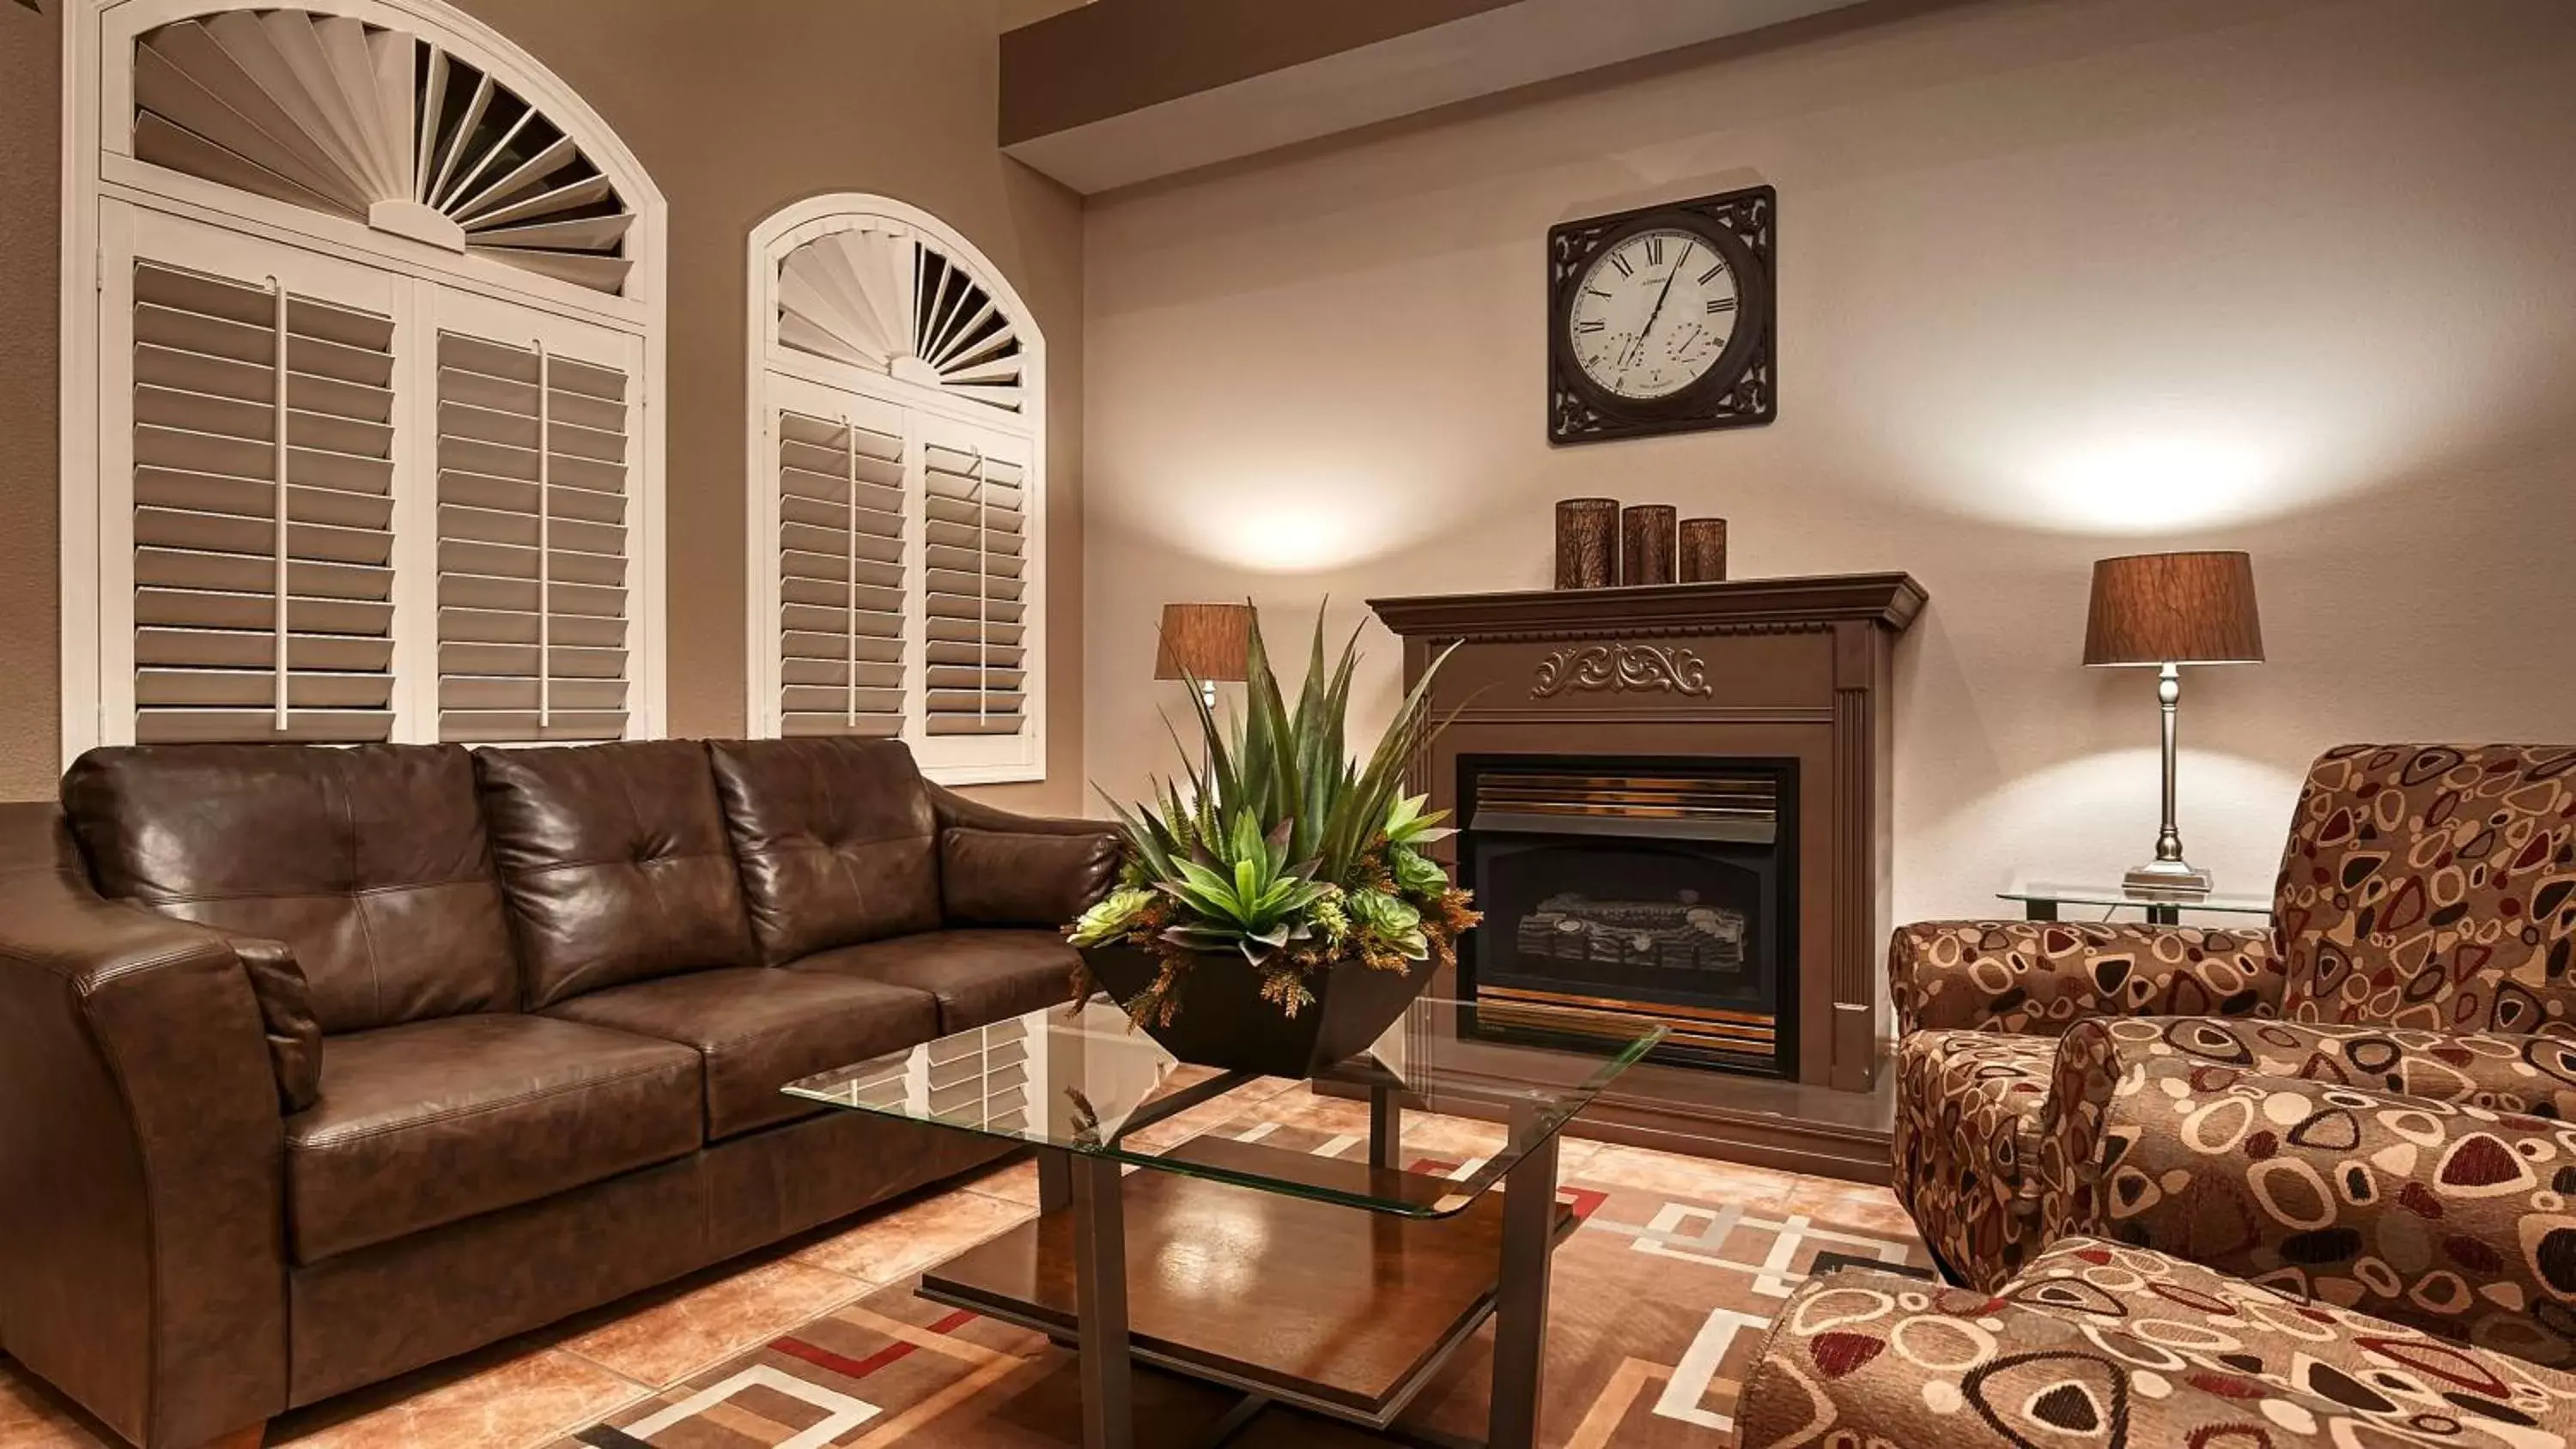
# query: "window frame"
947, 760
101, 172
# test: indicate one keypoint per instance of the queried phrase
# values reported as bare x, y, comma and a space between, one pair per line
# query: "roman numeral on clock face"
1716, 269
1619, 259
1594, 324
1720, 304
1654, 251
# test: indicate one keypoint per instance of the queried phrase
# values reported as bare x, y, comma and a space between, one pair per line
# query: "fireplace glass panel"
1660, 892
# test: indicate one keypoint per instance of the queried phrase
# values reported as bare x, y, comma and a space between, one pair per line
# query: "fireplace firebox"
1660, 888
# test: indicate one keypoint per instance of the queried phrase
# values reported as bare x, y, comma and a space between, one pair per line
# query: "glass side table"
2043, 900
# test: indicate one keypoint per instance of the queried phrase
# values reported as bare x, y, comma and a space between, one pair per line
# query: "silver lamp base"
2167, 880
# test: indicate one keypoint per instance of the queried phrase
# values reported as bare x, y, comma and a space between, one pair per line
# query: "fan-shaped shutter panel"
881, 298
841, 573
973, 541
532, 544
330, 113
263, 503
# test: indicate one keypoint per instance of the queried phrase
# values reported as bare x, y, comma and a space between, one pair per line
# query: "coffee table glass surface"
1080, 1078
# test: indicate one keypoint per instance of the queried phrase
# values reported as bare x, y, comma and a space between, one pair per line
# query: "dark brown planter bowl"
1224, 1023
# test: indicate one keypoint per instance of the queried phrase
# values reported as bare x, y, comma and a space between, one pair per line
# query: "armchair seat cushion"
758, 1028
1969, 1107
979, 977
434, 1121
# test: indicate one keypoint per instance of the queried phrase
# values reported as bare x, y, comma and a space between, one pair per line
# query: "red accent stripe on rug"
859, 1368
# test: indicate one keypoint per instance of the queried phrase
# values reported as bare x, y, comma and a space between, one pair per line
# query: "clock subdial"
1652, 314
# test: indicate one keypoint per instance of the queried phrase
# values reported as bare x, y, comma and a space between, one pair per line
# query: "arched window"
898, 501
362, 372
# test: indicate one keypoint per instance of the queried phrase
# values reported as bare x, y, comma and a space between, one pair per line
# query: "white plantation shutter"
253, 470
975, 618
534, 548
841, 571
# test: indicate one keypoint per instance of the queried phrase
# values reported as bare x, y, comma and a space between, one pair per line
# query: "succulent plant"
1275, 846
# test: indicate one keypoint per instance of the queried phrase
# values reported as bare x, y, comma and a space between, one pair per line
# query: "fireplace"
1664, 888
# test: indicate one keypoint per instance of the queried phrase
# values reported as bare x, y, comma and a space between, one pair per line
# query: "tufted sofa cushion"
838, 841
2433, 887
615, 862
368, 863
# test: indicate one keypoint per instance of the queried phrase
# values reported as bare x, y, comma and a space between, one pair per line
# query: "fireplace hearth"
1662, 889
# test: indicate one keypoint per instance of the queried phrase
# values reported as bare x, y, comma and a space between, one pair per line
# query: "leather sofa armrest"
998, 868
141, 1155
2037, 978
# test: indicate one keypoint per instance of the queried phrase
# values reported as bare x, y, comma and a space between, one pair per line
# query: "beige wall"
30, 307
2059, 279
735, 109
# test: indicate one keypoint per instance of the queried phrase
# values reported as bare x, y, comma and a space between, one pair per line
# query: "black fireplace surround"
1663, 888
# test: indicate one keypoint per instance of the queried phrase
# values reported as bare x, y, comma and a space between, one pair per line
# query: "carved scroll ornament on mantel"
1620, 668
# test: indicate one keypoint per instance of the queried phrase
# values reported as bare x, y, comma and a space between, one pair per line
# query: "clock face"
1652, 315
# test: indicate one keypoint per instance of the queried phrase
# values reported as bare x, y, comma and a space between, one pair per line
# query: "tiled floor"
532, 1390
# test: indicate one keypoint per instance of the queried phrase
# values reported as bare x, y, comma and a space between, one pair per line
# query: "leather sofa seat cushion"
615, 862
759, 1029
838, 841
979, 976
435, 1121
369, 863
1023, 878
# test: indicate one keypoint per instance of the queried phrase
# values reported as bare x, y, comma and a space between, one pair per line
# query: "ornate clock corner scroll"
1622, 668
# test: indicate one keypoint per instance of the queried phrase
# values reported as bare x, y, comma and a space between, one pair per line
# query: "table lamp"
2168, 610
1205, 642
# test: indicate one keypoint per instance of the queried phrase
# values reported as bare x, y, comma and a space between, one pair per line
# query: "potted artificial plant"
1276, 912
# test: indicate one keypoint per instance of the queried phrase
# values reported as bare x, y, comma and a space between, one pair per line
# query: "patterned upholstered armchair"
2369, 1105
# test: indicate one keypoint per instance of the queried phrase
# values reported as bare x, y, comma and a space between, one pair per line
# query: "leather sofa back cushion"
615, 862
837, 839
369, 863
1012, 878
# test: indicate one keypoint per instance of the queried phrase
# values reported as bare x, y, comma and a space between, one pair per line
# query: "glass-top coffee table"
1336, 1284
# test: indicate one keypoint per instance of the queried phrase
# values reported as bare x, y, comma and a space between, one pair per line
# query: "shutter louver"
532, 545
973, 654
263, 503
841, 575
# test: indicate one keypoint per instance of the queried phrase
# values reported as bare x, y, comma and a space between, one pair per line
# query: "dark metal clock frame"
1738, 391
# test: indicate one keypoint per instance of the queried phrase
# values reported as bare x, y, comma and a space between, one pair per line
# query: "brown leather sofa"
318, 1065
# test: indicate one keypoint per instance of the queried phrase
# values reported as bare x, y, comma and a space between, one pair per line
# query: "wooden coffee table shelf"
1348, 1313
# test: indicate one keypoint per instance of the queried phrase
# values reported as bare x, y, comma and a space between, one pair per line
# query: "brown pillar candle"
1587, 543
1646, 544
1703, 551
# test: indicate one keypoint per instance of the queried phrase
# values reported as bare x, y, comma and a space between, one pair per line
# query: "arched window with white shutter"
363, 321
898, 501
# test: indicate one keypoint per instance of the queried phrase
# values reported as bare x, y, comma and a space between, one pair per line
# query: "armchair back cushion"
837, 838
369, 863
2433, 886
615, 862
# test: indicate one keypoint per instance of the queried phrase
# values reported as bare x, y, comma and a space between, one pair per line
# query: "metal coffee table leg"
1100, 1297
1520, 1301
1386, 1127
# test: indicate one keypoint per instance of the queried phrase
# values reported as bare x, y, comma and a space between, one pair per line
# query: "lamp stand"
2168, 875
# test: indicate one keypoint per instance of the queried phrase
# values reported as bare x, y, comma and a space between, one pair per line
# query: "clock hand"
1639, 346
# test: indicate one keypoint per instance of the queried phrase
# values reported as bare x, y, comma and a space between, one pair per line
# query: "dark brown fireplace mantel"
1794, 669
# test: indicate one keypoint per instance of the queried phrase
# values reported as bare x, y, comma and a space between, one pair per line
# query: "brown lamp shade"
1208, 641
2173, 608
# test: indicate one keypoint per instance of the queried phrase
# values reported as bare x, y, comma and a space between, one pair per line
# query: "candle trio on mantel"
1598, 544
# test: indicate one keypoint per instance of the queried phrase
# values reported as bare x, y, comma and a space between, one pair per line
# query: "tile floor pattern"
1659, 1301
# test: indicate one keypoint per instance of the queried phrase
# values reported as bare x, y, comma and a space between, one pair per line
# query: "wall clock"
1660, 319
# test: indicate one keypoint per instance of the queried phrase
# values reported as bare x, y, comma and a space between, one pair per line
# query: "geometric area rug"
1659, 1301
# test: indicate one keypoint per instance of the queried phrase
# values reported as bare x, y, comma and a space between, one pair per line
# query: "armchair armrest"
141, 1215
2039, 977
997, 868
2182, 1136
